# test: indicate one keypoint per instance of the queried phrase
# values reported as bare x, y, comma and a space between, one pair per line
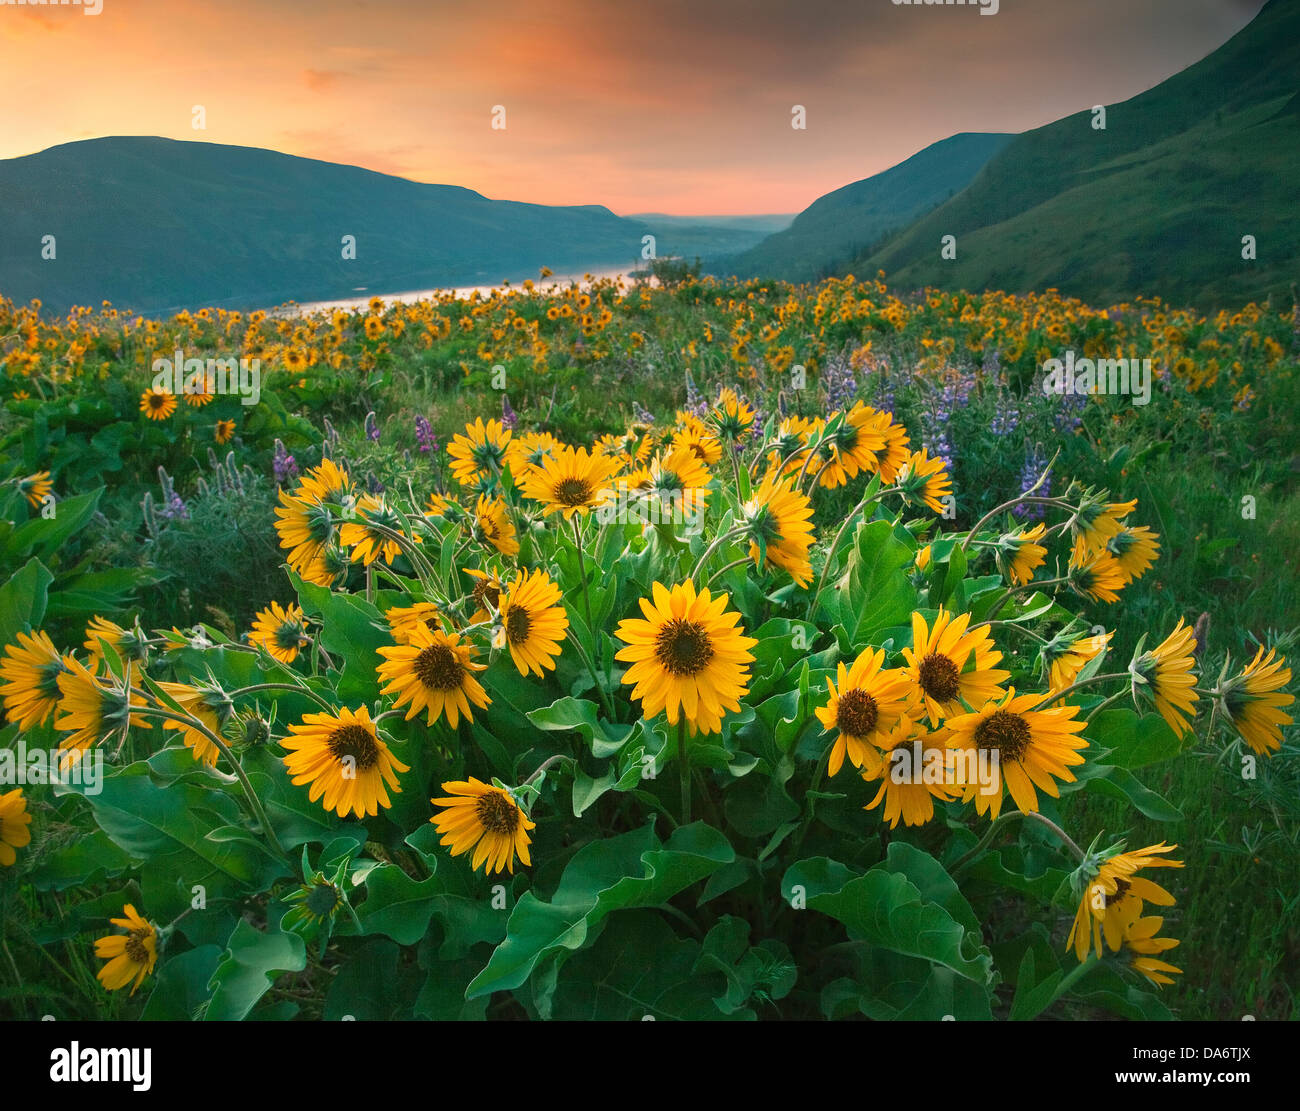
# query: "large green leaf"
878, 593
248, 968
887, 909
22, 600
615, 873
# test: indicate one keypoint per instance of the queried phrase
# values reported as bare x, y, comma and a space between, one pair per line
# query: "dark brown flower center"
856, 714
486, 589
1003, 732
357, 742
573, 491
1121, 889
518, 624
439, 668
136, 952
683, 647
496, 813
940, 678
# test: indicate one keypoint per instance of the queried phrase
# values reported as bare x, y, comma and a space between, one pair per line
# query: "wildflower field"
695, 650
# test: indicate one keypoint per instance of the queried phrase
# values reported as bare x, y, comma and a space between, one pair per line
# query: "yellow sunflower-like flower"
1025, 747
157, 404
479, 452
131, 956
1168, 671
778, 520
1095, 524
1024, 553
329, 567
924, 481
343, 758
486, 819
369, 534
281, 631
207, 705
949, 665
1134, 549
676, 483
897, 449
1113, 897
528, 450
1140, 939
305, 526
90, 711
1099, 579
326, 481
534, 622
486, 592
14, 821
404, 620
30, 670
731, 417
434, 672
695, 436
868, 711
1253, 701
130, 644
689, 656
915, 772
36, 488
572, 481
224, 431
492, 525
1069, 653
794, 439
854, 447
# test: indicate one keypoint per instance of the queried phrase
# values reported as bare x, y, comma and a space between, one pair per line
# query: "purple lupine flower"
372, 428
174, 509
424, 436
641, 414
1034, 464
1069, 412
509, 418
695, 404
1006, 417
286, 470
841, 386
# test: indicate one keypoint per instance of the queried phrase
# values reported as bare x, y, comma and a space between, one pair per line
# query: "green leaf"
878, 594
616, 873
22, 600
1121, 783
1134, 742
248, 969
181, 987
888, 910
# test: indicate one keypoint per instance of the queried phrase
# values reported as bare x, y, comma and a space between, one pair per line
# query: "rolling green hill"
853, 219
1157, 203
156, 225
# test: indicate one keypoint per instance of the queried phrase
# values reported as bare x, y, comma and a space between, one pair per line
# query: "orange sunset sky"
678, 106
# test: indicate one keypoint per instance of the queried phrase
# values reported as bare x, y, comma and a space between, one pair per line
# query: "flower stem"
255, 804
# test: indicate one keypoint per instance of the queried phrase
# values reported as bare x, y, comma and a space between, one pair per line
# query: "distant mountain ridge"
1157, 203
835, 227
158, 224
